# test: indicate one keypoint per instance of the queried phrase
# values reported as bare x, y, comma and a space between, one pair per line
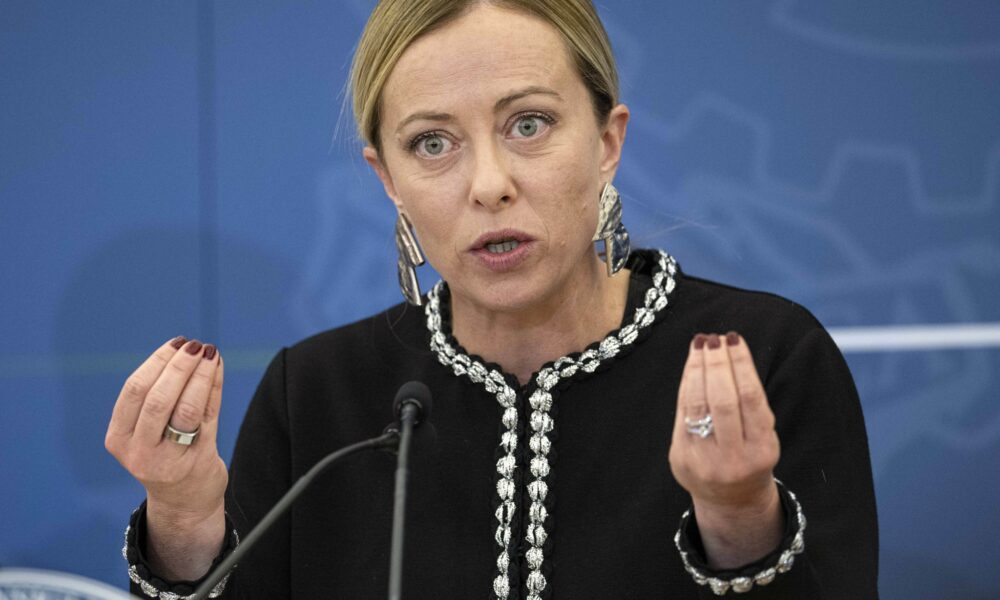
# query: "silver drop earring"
610, 229
410, 257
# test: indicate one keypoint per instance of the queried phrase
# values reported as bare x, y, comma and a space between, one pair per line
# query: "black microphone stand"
412, 406
409, 414
386, 440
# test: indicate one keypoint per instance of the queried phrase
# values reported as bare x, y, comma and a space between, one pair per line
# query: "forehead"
484, 54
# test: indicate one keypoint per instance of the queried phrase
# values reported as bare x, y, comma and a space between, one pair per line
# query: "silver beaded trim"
540, 421
151, 590
740, 585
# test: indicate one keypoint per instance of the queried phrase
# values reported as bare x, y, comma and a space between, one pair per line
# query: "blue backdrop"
189, 168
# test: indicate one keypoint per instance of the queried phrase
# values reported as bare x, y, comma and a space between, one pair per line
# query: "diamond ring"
702, 427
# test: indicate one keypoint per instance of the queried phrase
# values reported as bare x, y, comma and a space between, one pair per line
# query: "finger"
163, 396
190, 409
691, 402
758, 420
720, 392
133, 394
215, 398
210, 419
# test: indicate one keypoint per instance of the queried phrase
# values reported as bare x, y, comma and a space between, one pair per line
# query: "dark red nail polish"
209, 352
714, 342
194, 347
699, 342
732, 338
178, 341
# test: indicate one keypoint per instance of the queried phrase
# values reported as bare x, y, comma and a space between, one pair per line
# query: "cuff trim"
742, 580
155, 587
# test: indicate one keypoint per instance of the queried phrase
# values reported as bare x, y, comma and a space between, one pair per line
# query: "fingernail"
178, 341
209, 352
699, 342
714, 342
732, 338
193, 348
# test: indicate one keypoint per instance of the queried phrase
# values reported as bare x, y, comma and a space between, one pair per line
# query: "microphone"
412, 405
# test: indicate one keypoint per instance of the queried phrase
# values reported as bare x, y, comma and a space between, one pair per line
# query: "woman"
582, 404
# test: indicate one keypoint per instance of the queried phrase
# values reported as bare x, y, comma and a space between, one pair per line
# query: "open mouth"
501, 247
500, 241
502, 250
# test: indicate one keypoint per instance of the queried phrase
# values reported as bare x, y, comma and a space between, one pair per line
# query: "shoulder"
365, 348
360, 332
347, 371
700, 297
774, 326
711, 300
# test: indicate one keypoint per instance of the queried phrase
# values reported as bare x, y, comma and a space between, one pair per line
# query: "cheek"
435, 214
566, 200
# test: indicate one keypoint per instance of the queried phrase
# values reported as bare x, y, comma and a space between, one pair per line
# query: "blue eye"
529, 126
432, 145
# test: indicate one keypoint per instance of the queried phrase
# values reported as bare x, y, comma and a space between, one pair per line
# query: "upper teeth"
502, 246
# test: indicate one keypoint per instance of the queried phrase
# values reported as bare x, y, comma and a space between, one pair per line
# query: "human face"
489, 136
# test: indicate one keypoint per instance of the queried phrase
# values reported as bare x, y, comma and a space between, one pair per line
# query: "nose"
492, 185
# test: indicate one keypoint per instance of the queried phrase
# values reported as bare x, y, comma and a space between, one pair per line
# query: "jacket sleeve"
825, 463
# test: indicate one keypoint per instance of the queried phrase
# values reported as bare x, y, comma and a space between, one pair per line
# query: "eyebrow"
528, 91
497, 107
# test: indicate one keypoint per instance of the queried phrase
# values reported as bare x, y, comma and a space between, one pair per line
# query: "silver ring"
702, 427
183, 438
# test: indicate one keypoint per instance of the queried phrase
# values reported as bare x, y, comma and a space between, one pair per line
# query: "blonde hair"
395, 24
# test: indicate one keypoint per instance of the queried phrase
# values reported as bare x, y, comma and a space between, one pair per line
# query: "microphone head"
413, 392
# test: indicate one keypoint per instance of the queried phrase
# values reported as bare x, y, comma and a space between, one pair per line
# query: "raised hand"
724, 450
180, 384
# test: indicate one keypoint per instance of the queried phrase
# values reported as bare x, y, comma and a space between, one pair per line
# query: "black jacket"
613, 506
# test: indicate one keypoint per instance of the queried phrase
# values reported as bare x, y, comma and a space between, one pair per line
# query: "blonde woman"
607, 426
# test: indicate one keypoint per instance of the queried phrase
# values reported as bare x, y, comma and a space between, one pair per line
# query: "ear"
612, 140
373, 159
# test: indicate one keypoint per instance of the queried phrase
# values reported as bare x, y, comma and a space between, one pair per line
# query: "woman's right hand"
180, 384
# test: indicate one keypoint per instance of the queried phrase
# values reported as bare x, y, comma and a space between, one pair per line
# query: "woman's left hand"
729, 471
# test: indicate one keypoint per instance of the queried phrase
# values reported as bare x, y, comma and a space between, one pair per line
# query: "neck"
583, 310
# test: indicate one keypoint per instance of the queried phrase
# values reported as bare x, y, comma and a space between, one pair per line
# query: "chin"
507, 294
534, 283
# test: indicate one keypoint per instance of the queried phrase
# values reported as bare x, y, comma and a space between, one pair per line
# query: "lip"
496, 236
504, 261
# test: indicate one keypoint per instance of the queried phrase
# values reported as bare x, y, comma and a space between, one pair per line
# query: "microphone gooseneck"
412, 406
385, 440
